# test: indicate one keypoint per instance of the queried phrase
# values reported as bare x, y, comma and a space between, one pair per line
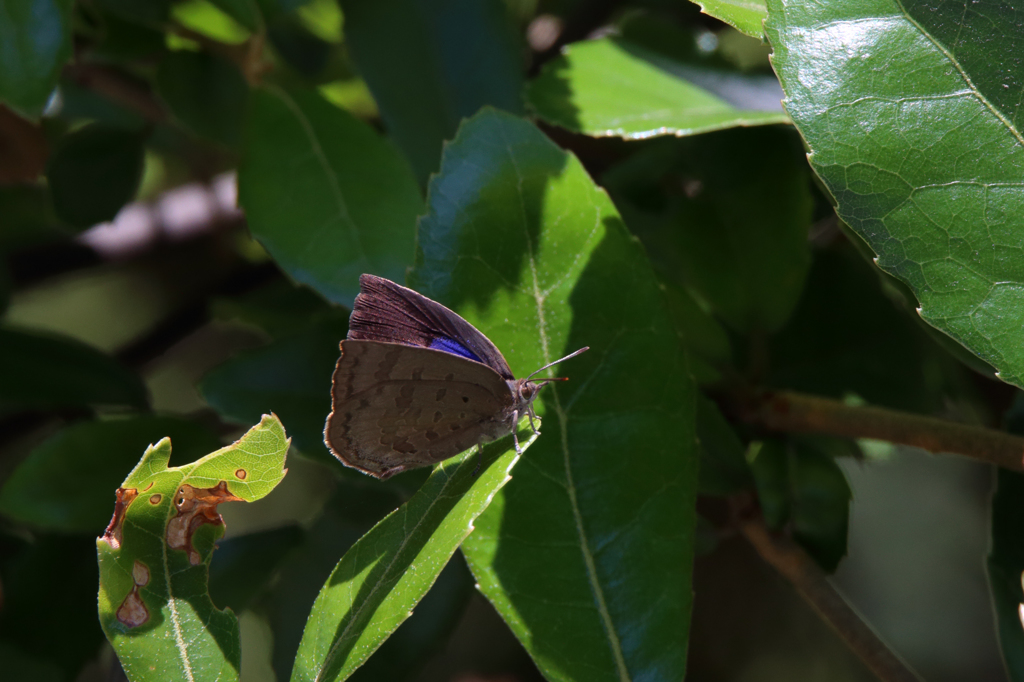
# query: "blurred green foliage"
641, 192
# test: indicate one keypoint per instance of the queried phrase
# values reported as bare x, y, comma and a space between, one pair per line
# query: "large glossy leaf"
587, 552
911, 111
430, 64
35, 41
68, 482
325, 194
154, 605
383, 576
291, 376
51, 371
612, 87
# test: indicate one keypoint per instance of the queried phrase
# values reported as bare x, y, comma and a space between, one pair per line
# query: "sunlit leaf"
912, 115
154, 556
611, 87
746, 15
520, 241
382, 577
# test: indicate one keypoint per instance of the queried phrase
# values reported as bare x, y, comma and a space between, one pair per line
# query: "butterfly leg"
532, 415
515, 429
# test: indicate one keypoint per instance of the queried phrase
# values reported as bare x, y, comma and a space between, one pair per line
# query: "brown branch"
790, 412
813, 585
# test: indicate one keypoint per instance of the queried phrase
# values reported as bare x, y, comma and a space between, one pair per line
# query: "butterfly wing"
398, 407
385, 311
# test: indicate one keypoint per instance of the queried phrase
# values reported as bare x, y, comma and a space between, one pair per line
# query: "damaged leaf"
154, 602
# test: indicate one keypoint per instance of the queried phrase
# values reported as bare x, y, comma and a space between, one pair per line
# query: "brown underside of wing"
397, 407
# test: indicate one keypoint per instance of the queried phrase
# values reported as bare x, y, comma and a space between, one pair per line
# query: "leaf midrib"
570, 487
332, 179
963, 74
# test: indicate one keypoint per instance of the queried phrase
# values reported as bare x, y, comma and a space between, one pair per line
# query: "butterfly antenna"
551, 364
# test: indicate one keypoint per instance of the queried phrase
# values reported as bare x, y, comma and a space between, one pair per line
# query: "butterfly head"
527, 389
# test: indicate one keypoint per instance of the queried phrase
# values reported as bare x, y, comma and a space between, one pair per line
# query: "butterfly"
417, 384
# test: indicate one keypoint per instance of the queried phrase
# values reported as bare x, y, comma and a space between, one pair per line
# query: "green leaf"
611, 87
801, 486
153, 601
245, 12
278, 309
420, 638
32, 596
29, 218
326, 196
352, 510
723, 464
384, 575
698, 206
68, 482
94, 172
912, 117
704, 339
45, 371
291, 376
821, 505
520, 241
770, 465
745, 15
149, 13
846, 336
205, 92
431, 64
244, 566
35, 36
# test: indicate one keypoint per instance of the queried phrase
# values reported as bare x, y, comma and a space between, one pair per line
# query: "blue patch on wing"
453, 347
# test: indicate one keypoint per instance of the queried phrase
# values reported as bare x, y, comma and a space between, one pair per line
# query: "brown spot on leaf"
241, 474
196, 507
148, 486
140, 573
112, 535
155, 499
132, 611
